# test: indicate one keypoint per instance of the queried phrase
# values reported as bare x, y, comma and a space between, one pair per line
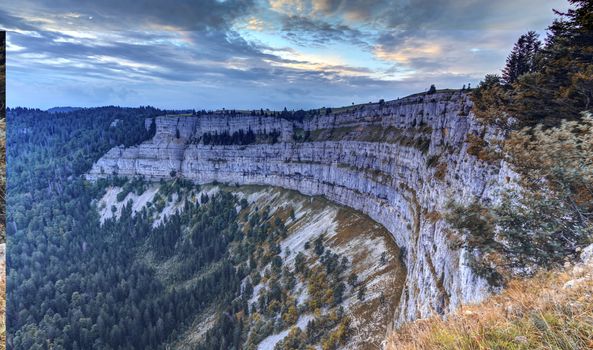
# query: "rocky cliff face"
400, 162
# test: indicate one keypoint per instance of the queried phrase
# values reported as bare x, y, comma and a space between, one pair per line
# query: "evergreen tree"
152, 129
522, 58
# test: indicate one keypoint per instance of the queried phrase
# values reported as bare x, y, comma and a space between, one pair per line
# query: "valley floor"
373, 255
367, 251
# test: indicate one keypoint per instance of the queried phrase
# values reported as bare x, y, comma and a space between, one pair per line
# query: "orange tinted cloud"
407, 54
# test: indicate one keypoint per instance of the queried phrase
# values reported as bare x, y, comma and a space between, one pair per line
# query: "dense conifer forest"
2, 186
66, 282
75, 282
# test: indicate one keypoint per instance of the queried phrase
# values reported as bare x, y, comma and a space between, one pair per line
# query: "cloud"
289, 6
440, 14
407, 54
306, 31
255, 24
81, 67
126, 15
253, 53
430, 53
11, 22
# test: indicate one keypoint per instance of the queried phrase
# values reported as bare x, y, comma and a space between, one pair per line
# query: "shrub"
490, 100
553, 214
441, 171
547, 217
477, 224
477, 146
432, 160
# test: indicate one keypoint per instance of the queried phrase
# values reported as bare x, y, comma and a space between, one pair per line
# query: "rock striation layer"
400, 162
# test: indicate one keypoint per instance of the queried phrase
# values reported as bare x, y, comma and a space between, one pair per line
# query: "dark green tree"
522, 58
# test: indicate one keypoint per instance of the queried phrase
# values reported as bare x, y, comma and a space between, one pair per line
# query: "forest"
74, 283
239, 138
54, 234
2, 186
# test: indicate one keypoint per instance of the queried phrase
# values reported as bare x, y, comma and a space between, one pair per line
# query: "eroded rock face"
400, 162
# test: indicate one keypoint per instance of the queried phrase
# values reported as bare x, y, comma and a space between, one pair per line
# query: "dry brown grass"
536, 313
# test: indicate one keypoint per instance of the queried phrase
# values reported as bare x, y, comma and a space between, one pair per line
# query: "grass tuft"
553, 310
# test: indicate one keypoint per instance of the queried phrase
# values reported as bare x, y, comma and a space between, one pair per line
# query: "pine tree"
152, 129
521, 60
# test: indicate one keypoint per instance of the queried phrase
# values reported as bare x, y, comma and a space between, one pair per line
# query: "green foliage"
544, 86
476, 225
536, 233
518, 236
521, 60
546, 218
432, 160
361, 294
554, 213
332, 330
2, 185
295, 340
152, 128
549, 214
299, 262
240, 138
474, 221
244, 203
135, 185
237, 138
74, 283
352, 279
490, 100
2, 180
45, 149
318, 247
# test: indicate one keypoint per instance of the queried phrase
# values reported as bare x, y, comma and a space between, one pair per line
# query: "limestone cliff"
399, 161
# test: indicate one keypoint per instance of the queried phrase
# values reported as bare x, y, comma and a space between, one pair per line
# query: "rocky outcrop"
399, 161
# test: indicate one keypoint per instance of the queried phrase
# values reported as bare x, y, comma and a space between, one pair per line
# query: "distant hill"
63, 109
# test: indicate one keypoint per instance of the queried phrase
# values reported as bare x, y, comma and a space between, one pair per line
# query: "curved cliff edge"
400, 162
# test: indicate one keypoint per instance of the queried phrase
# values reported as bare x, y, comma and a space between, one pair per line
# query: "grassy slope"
554, 310
371, 318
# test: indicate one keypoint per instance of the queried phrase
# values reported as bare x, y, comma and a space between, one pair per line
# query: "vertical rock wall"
399, 162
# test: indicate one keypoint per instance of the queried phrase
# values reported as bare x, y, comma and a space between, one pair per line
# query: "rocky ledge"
400, 162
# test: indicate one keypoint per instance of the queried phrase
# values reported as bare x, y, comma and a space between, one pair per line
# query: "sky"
248, 54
